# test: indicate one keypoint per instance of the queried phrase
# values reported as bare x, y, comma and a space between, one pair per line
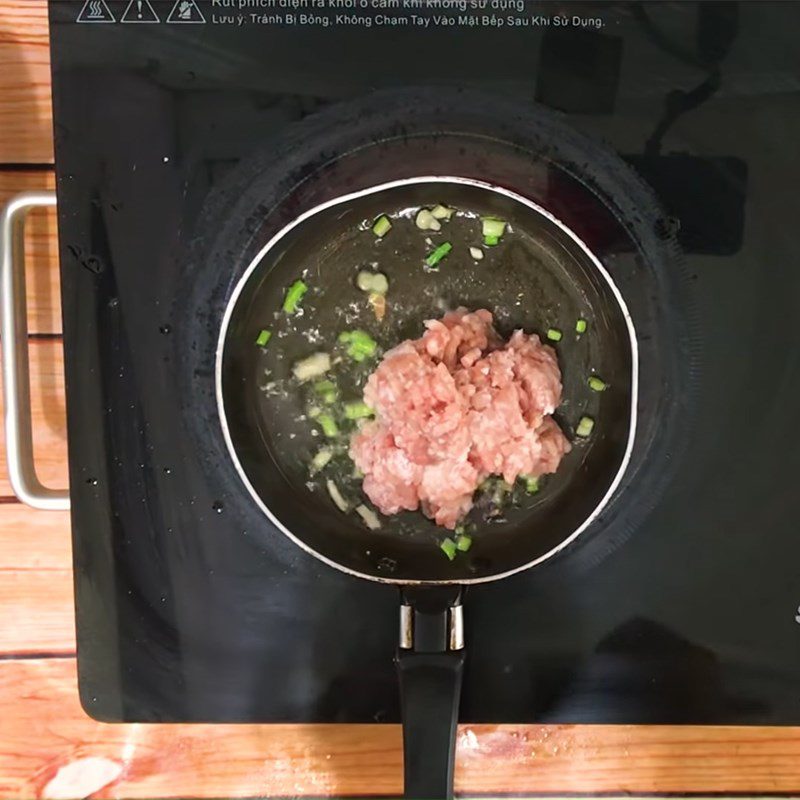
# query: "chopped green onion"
312, 367
463, 543
597, 384
448, 547
336, 496
321, 460
293, 296
585, 426
382, 226
263, 337
554, 334
531, 484
501, 489
486, 484
375, 282
359, 344
357, 410
580, 326
314, 412
426, 221
476, 253
442, 212
438, 254
328, 425
493, 227
380, 283
327, 391
491, 241
369, 516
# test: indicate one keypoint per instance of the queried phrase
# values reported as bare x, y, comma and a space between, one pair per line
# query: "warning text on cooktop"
394, 13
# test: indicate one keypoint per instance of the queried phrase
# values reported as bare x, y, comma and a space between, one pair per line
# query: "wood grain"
41, 251
33, 540
48, 411
26, 126
48, 731
39, 605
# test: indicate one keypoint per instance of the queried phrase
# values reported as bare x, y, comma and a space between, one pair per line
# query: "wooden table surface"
50, 748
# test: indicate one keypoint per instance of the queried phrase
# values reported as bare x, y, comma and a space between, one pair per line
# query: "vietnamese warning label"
513, 14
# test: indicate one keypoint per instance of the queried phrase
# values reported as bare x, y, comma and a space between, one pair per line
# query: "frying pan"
542, 275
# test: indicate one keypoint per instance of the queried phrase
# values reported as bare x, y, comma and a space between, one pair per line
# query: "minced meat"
454, 407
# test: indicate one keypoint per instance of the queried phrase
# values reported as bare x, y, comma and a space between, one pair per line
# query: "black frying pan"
540, 276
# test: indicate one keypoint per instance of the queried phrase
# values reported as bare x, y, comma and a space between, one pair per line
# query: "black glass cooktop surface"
189, 605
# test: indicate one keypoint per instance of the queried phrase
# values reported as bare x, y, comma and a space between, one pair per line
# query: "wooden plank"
33, 540
47, 742
26, 125
35, 582
41, 251
48, 411
39, 606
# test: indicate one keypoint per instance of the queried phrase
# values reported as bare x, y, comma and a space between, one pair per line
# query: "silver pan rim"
634, 394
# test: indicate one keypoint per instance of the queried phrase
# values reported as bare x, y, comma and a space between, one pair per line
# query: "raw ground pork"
454, 407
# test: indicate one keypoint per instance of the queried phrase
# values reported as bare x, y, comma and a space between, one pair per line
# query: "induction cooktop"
189, 605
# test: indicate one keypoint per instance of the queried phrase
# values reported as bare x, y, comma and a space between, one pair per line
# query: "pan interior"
538, 277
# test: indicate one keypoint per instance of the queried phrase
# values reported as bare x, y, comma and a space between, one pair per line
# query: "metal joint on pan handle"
15, 367
454, 627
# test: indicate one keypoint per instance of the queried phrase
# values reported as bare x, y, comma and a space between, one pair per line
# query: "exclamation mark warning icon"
140, 11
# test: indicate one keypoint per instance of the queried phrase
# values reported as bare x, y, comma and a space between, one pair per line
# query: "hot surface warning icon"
139, 11
95, 11
186, 11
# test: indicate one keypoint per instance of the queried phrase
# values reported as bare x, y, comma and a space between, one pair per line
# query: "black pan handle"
430, 665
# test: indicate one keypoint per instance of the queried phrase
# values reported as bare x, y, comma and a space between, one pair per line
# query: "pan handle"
15, 368
430, 664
